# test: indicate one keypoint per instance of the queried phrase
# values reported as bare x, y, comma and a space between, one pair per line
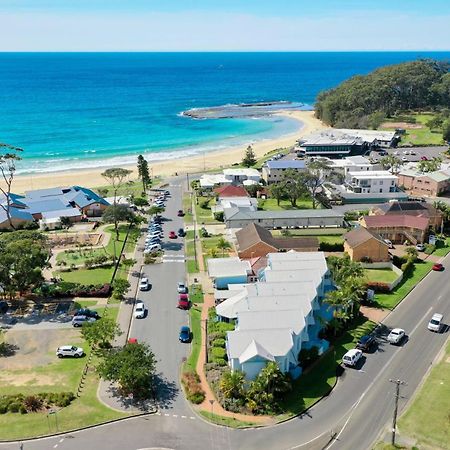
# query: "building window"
381, 182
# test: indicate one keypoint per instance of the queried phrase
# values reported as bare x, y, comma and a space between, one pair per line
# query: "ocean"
85, 110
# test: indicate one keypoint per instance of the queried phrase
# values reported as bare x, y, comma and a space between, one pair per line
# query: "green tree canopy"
143, 172
249, 157
294, 185
101, 332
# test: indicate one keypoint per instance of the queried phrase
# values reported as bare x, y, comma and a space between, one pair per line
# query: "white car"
139, 310
152, 249
181, 288
388, 242
435, 323
352, 357
420, 247
69, 350
144, 284
396, 336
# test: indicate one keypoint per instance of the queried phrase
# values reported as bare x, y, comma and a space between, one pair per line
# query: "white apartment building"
371, 182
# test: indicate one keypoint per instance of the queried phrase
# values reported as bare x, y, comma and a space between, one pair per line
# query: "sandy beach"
193, 164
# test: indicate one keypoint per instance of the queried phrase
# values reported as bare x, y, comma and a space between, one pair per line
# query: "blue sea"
84, 110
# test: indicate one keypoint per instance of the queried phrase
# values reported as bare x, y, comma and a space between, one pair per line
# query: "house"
429, 184
411, 208
273, 171
225, 271
210, 180
371, 182
230, 191
356, 163
255, 241
337, 143
276, 319
245, 176
19, 218
290, 218
362, 244
398, 228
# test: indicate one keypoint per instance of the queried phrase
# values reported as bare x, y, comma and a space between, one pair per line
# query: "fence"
386, 265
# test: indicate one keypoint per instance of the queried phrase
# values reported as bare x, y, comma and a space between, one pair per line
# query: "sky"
224, 25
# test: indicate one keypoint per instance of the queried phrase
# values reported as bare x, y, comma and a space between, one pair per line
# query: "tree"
446, 131
435, 123
249, 158
430, 165
132, 367
115, 214
65, 222
277, 191
8, 170
223, 245
232, 384
155, 210
116, 177
143, 172
412, 253
140, 201
101, 332
315, 177
103, 192
294, 186
391, 163
120, 288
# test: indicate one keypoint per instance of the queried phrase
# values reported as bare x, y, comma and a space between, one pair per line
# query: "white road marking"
56, 445
167, 415
174, 260
174, 415
193, 418
61, 440
183, 417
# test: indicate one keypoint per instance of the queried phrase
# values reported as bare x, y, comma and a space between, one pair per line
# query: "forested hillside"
364, 101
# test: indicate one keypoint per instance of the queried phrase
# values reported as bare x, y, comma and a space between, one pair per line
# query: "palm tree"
223, 245
273, 381
232, 384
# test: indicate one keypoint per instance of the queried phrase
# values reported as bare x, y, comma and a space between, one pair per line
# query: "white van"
352, 357
435, 323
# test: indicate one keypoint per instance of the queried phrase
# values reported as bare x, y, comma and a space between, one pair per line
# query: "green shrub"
3, 409
331, 246
220, 362
218, 343
218, 352
14, 407
219, 216
429, 249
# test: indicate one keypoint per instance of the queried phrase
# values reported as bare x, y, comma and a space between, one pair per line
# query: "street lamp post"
398, 383
212, 410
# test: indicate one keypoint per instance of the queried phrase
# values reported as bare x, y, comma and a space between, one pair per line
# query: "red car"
180, 213
183, 301
423, 158
438, 267
172, 235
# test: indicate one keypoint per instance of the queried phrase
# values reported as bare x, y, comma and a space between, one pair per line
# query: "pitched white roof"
293, 319
255, 349
228, 267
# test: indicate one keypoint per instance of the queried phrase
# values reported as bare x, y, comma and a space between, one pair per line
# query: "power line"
397, 383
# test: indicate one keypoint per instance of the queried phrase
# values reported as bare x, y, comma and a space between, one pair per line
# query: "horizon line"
227, 51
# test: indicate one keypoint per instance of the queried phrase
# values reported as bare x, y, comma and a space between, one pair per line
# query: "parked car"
438, 267
181, 288
404, 159
396, 336
352, 357
185, 334
139, 310
181, 232
366, 342
69, 350
435, 324
152, 249
87, 312
420, 247
79, 321
144, 284
183, 301
172, 235
3, 307
388, 242
180, 213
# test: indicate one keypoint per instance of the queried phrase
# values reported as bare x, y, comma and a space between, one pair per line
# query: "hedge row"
20, 403
68, 289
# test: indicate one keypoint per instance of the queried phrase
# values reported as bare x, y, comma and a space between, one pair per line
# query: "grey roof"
286, 164
228, 267
284, 214
66, 212
293, 319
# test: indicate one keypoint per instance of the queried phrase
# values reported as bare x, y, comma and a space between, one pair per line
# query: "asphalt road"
358, 409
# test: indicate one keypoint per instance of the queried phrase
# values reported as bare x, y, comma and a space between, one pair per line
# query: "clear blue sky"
224, 25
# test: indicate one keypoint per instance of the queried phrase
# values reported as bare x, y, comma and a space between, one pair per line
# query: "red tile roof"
397, 220
231, 191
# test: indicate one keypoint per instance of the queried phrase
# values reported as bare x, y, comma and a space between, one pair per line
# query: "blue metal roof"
15, 213
286, 164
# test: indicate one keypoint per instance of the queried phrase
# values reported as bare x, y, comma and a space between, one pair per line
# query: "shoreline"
217, 159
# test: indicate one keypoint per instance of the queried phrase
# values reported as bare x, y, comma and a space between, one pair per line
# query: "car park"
87, 312
79, 321
435, 324
438, 267
352, 357
185, 334
396, 336
69, 350
181, 232
420, 247
366, 342
181, 288
144, 284
139, 310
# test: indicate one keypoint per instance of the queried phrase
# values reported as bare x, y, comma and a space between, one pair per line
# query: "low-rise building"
428, 184
291, 218
225, 271
254, 241
18, 218
273, 171
362, 244
371, 182
238, 175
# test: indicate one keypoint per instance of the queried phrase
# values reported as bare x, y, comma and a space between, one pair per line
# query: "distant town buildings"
428, 184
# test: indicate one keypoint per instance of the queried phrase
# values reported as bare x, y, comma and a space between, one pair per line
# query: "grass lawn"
187, 206
442, 247
192, 266
100, 275
381, 275
226, 421
392, 299
427, 418
194, 315
189, 248
189, 234
317, 381
131, 187
204, 215
331, 239
270, 204
196, 293
78, 257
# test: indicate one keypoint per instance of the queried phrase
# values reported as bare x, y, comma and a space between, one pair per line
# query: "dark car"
3, 307
185, 334
366, 342
172, 235
87, 312
181, 232
180, 213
